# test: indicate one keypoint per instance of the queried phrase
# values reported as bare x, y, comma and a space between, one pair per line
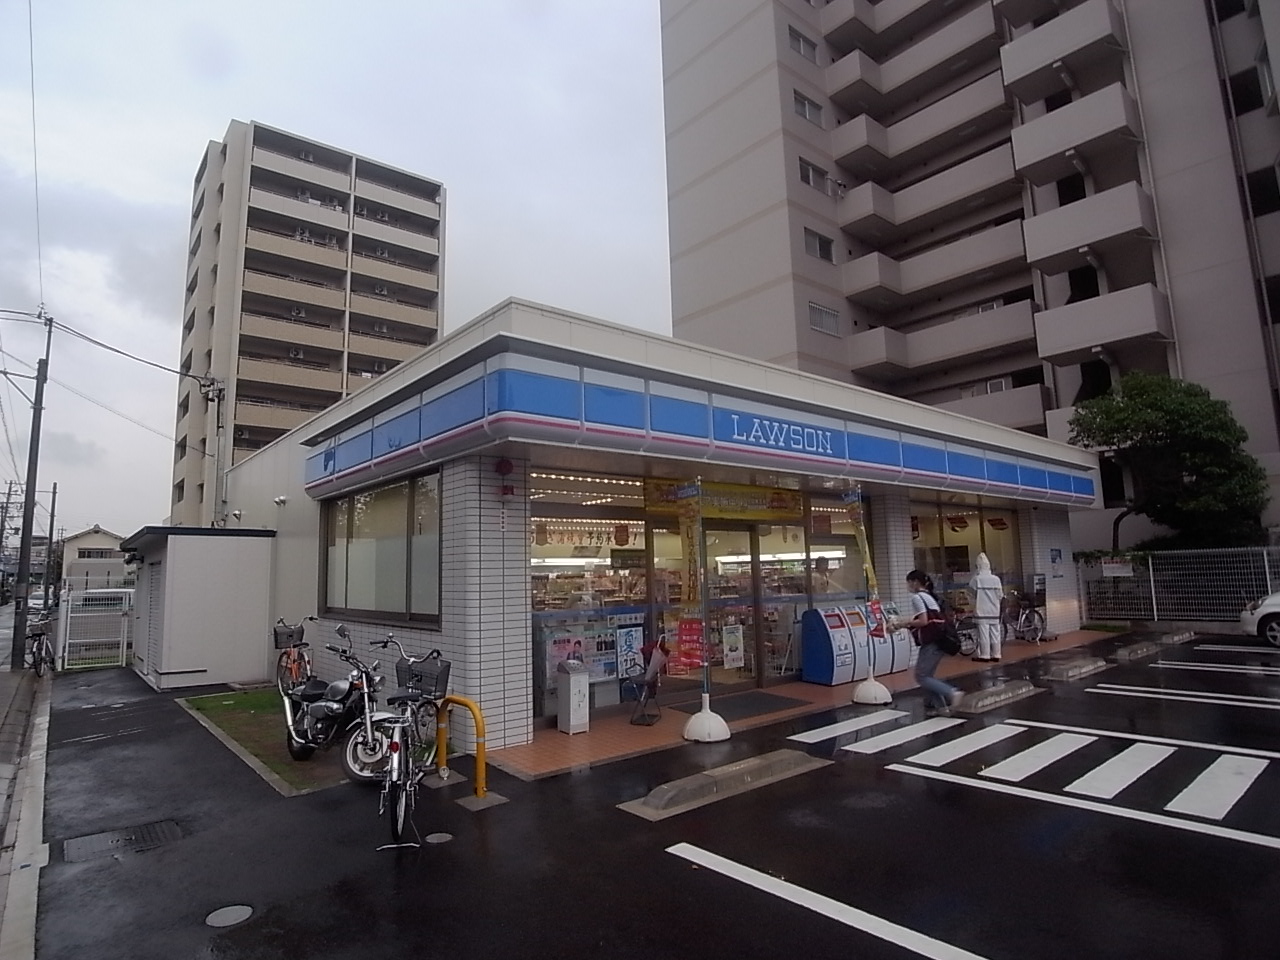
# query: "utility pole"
18, 649
4, 531
48, 550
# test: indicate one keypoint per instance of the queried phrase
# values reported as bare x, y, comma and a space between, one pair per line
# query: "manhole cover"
439, 837
229, 916
129, 840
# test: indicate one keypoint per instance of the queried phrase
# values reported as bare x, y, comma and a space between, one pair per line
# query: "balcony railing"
1089, 130
1069, 335
886, 354
301, 169
291, 205
290, 373
880, 28
294, 288
1021, 408
299, 245
1047, 59
1097, 227
293, 332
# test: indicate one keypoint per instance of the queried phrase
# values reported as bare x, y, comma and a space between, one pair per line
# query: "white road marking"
1120, 771
1029, 761
834, 730
1193, 826
1191, 699
905, 734
1223, 748
1190, 693
1228, 648
1215, 792
878, 927
963, 746
1219, 668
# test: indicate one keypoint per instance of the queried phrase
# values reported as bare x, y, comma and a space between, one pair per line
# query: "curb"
1135, 651
1074, 669
25, 830
980, 701
1171, 639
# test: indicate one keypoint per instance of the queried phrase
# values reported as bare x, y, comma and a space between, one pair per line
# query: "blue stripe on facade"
614, 406
1082, 486
1033, 477
518, 391
1002, 471
318, 466
463, 405
878, 450
927, 459
966, 465
353, 452
401, 431
771, 433
1059, 482
681, 417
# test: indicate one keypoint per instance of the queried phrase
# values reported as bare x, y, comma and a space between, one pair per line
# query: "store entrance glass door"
732, 570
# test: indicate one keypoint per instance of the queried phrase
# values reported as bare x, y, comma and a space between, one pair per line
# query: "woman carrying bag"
927, 624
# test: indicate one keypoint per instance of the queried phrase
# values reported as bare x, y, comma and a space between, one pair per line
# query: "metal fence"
1197, 585
95, 627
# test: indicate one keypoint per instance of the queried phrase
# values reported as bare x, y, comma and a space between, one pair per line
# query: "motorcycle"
320, 714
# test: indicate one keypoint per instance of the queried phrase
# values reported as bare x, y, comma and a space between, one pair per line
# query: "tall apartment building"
312, 271
991, 206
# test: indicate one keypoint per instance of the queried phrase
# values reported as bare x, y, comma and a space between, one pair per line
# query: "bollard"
442, 740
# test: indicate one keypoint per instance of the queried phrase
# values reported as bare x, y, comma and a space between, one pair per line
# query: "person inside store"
925, 623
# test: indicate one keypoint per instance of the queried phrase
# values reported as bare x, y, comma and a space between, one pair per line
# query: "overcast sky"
543, 118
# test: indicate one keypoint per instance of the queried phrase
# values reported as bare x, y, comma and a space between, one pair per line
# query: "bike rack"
442, 740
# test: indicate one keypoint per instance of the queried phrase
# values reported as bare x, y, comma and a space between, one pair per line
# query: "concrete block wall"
1040, 531
891, 545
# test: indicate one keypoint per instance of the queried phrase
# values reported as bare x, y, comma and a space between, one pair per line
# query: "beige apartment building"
312, 271
992, 206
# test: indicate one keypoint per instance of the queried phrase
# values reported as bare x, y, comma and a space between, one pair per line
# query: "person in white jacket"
988, 594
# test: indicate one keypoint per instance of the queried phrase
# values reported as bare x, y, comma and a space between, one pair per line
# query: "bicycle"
1021, 619
411, 739
41, 651
293, 667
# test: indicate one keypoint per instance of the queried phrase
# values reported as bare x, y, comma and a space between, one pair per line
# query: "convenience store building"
509, 496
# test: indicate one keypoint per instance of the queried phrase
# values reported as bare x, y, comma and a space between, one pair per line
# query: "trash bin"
573, 695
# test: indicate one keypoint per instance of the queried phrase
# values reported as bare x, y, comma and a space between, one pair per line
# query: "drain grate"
129, 840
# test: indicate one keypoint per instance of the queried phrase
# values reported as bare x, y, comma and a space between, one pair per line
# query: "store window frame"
425, 620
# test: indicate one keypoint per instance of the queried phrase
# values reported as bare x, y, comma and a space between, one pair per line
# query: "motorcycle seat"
311, 691
404, 695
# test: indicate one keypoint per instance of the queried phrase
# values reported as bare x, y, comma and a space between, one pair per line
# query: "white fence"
1196, 585
95, 627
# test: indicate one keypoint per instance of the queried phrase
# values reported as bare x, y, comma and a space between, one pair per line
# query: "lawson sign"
750, 430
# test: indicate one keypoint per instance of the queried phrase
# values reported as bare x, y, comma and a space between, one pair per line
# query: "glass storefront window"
377, 551
947, 539
424, 545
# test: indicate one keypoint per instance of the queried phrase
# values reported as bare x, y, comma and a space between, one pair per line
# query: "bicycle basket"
431, 675
287, 636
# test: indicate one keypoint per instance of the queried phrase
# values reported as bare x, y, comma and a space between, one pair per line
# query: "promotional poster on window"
595, 647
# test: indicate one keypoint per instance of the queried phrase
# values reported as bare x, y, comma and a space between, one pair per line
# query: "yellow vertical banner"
689, 512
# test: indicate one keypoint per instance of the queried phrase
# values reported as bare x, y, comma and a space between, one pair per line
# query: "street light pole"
23, 584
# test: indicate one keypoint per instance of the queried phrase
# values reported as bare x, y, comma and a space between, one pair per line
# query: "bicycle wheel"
286, 672
1035, 626
38, 658
398, 808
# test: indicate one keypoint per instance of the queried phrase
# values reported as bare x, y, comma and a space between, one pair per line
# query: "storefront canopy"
535, 375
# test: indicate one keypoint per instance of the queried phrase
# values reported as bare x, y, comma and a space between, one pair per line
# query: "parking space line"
1034, 759
944, 753
1121, 770
1144, 738
1190, 693
902, 735
1192, 826
1162, 696
878, 927
831, 731
1229, 648
1218, 668
1216, 790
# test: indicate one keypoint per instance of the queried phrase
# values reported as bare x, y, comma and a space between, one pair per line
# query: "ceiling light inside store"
573, 479
592, 503
569, 561
837, 554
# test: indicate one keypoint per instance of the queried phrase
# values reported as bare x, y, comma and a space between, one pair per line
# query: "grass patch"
1106, 627
255, 720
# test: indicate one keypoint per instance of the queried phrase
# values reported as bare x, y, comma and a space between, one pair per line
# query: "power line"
8, 392
124, 353
35, 153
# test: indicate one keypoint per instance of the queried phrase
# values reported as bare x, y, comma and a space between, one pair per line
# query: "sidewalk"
17, 699
614, 738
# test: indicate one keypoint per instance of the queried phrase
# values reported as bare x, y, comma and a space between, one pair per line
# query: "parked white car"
1262, 618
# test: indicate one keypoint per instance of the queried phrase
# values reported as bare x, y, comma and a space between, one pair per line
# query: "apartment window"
808, 109
1273, 297
180, 449
824, 319
98, 553
803, 45
1027, 376
1071, 189
813, 175
1056, 101
382, 554
1264, 191
1227, 9
179, 491
199, 206
816, 245
1246, 92
200, 493
1095, 381
1084, 284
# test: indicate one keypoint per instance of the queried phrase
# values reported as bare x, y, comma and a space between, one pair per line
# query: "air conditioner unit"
380, 328
307, 155
298, 312
381, 289
998, 386
383, 216
361, 210
382, 252
331, 239
295, 353
304, 195
992, 305
380, 367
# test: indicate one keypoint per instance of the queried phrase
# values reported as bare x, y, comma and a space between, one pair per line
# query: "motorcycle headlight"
354, 676
378, 682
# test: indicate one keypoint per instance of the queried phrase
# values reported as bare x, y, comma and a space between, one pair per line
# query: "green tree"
1183, 450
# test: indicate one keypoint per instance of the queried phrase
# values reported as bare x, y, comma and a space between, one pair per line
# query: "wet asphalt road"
560, 872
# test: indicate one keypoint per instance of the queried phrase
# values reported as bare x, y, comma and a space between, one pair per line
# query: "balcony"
401, 236
1101, 226
301, 169
1067, 335
381, 348
270, 416
310, 211
383, 269
1021, 12
870, 150
290, 332
872, 213
398, 199
311, 251
1021, 408
284, 373
885, 354
1091, 129
394, 310
878, 28
878, 282
1084, 36
296, 291
860, 85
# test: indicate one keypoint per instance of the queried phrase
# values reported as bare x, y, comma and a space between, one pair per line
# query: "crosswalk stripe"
1216, 790
944, 753
1120, 771
1219, 668
1228, 648
1191, 693
831, 731
1222, 748
1029, 761
905, 734
1203, 700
